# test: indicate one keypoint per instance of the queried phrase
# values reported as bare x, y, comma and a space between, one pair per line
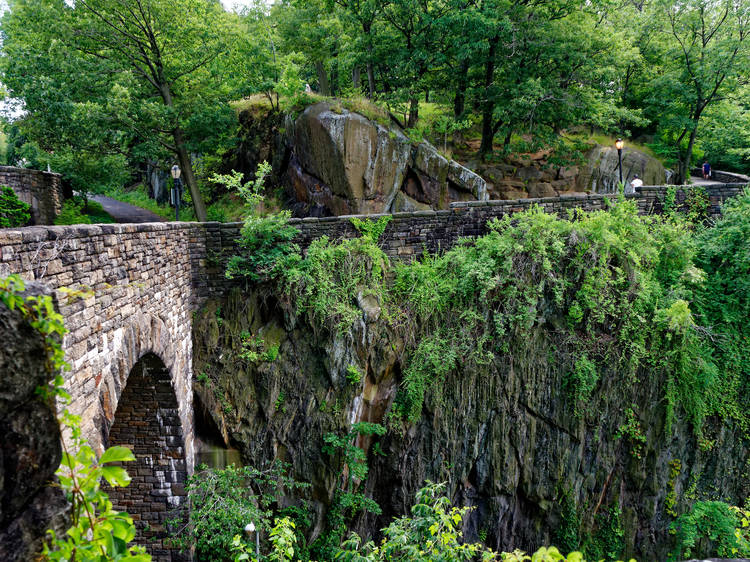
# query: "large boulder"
343, 163
600, 173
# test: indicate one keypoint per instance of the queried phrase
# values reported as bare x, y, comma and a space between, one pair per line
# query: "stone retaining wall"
41, 190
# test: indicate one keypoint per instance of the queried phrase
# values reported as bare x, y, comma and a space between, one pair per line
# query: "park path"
696, 180
125, 212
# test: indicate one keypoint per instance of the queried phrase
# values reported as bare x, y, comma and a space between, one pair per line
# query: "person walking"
706, 170
636, 182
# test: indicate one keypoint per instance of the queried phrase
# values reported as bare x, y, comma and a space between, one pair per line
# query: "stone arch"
147, 421
143, 334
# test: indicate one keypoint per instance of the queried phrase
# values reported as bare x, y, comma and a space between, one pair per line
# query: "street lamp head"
249, 528
619, 144
176, 171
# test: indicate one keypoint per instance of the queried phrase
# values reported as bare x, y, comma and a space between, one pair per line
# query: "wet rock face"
503, 435
30, 445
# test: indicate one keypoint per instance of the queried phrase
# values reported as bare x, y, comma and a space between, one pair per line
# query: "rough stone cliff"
503, 434
29, 444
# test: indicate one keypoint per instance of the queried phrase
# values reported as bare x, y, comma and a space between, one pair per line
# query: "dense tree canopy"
110, 84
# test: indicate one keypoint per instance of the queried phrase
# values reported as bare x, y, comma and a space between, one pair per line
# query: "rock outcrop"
30, 449
600, 174
503, 435
338, 162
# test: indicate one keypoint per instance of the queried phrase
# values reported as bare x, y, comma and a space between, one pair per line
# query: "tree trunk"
459, 101
186, 166
356, 81
413, 111
320, 69
366, 27
684, 170
488, 104
187, 175
370, 78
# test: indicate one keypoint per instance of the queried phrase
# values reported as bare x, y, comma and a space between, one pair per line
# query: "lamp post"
249, 530
176, 190
618, 145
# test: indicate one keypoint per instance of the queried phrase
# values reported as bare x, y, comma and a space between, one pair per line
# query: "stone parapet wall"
723, 177
410, 234
41, 190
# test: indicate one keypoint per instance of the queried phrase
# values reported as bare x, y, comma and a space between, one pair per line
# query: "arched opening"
147, 421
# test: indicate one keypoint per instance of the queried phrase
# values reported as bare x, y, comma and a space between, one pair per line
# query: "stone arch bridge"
128, 292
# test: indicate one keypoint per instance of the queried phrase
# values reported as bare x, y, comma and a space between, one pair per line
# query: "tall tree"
706, 53
160, 52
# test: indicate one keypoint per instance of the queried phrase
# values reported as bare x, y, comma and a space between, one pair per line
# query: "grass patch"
76, 211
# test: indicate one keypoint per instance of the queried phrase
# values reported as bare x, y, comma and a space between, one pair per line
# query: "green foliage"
675, 465
607, 541
567, 531
582, 381
711, 528
371, 229
283, 540
13, 211
349, 500
329, 281
265, 240
40, 312
432, 533
98, 532
222, 502
631, 431
253, 349
78, 211
723, 305
353, 375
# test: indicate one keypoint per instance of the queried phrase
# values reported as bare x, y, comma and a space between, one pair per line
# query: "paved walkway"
695, 180
125, 212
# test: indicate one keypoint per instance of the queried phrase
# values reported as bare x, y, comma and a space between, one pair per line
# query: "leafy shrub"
13, 211
433, 532
265, 240
78, 211
327, 282
353, 376
222, 502
711, 528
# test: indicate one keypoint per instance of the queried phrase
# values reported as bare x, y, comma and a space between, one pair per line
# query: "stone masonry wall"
140, 279
147, 422
410, 234
41, 190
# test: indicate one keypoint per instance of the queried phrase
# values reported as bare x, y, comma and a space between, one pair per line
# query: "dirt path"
125, 212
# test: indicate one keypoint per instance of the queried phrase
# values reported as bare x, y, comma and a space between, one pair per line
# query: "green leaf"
116, 475
117, 454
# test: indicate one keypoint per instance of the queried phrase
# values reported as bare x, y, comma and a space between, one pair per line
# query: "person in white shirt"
636, 182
